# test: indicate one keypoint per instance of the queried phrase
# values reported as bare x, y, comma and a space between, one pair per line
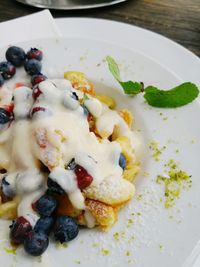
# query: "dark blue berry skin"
44, 225
74, 96
53, 187
34, 53
36, 243
122, 161
7, 70
6, 188
5, 116
15, 55
46, 205
72, 165
65, 229
1, 80
32, 66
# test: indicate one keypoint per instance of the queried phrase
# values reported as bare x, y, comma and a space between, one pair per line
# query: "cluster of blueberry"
36, 240
16, 57
64, 228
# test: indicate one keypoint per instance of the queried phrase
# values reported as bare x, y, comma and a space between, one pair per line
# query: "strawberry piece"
83, 178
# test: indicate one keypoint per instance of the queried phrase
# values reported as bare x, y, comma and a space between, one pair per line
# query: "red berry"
36, 92
19, 230
9, 108
83, 178
34, 53
38, 78
36, 109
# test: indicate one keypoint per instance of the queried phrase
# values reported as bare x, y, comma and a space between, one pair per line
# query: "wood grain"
177, 19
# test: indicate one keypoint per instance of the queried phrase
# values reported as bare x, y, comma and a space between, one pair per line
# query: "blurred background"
177, 19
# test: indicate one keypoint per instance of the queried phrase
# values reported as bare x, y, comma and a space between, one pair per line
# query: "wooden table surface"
177, 19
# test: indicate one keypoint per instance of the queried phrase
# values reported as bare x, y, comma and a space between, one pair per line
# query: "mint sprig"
129, 87
178, 96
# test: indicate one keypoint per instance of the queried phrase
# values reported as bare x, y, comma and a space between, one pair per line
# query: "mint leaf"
176, 97
129, 87
113, 67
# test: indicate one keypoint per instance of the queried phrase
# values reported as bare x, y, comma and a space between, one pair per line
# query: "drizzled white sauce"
90, 220
55, 136
23, 102
94, 106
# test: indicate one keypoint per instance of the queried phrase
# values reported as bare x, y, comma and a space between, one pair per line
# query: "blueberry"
53, 187
32, 66
7, 70
15, 55
34, 53
74, 96
5, 116
71, 165
19, 230
1, 80
122, 161
38, 78
6, 188
36, 243
45, 205
65, 229
44, 225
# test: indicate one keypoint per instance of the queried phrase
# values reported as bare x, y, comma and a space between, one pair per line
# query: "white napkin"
35, 26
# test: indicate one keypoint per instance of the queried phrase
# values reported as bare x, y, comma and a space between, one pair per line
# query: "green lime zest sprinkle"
116, 236
174, 182
105, 252
11, 250
139, 197
128, 253
156, 150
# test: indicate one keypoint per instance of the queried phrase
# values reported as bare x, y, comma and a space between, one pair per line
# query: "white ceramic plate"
157, 236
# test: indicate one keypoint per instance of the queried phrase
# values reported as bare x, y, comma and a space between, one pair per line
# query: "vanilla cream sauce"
55, 136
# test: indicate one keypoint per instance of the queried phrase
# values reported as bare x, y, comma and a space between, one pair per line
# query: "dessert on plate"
67, 158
